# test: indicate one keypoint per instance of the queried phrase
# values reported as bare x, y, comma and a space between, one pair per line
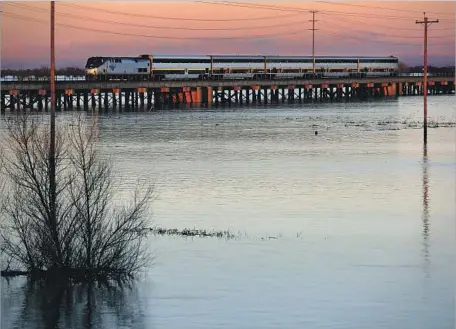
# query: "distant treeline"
431, 69
43, 72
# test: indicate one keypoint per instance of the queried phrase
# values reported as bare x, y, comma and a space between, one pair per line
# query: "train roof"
202, 56
160, 56
116, 57
332, 57
164, 56
247, 57
238, 56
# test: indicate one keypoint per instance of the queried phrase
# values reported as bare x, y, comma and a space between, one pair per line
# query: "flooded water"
352, 227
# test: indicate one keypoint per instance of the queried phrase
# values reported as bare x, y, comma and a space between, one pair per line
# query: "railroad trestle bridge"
81, 94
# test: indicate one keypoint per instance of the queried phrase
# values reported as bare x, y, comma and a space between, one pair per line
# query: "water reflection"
58, 306
264, 172
425, 214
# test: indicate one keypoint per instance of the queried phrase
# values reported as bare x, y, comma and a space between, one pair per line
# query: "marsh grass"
186, 232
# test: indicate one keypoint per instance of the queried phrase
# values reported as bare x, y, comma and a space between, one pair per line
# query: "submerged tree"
89, 237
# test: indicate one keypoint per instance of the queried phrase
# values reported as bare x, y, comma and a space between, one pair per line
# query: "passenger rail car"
221, 67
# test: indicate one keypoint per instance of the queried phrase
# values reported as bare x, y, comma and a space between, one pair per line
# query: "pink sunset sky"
85, 29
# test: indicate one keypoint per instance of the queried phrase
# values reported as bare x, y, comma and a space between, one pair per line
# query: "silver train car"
221, 67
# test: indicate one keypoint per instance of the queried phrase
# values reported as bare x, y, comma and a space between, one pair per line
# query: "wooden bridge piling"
259, 92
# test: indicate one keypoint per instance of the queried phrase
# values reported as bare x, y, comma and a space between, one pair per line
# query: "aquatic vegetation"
203, 233
186, 232
391, 124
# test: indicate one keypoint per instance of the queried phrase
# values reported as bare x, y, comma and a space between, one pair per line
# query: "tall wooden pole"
313, 40
425, 80
52, 77
52, 178
52, 80
426, 22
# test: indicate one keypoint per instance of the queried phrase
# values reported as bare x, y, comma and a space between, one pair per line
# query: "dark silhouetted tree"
89, 237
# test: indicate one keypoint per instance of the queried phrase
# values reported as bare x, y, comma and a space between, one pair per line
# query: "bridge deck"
82, 84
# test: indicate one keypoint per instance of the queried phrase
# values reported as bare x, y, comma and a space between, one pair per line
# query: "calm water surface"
350, 228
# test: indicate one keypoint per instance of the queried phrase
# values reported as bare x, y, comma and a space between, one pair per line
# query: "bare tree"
403, 67
112, 240
33, 236
88, 237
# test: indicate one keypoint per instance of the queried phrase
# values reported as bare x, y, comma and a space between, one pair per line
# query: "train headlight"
91, 71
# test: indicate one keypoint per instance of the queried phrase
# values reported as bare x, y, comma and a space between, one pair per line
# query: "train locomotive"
238, 67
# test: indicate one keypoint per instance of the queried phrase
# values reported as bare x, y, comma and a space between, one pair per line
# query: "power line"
160, 27
380, 41
384, 26
114, 12
388, 35
296, 9
154, 36
7, 14
376, 7
179, 28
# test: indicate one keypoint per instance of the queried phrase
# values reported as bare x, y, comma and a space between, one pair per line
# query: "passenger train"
219, 67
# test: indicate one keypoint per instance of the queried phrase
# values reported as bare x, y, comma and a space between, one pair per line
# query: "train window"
336, 61
238, 60
197, 71
290, 60
181, 60
378, 60
298, 60
169, 71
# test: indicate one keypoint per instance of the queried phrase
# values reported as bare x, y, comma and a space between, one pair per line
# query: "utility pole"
52, 86
426, 23
52, 180
313, 39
